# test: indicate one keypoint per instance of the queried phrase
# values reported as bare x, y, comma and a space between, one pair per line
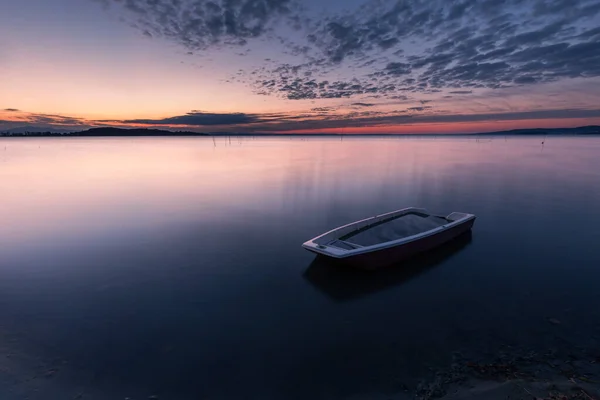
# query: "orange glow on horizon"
415, 127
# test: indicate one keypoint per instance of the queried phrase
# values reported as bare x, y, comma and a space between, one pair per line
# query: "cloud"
401, 118
38, 119
322, 109
54, 120
363, 104
386, 48
200, 25
254, 123
461, 24
24, 121
590, 33
293, 86
398, 68
462, 46
396, 118
196, 118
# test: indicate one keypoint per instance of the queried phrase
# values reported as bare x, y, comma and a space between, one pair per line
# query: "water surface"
173, 267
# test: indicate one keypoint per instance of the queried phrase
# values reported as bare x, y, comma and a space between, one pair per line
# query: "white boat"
388, 238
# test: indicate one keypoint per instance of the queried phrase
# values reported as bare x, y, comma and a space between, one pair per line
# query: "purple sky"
300, 66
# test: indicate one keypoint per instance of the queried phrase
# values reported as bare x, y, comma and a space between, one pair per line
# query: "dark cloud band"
317, 119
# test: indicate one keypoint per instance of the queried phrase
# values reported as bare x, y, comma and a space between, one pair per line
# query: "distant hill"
34, 129
99, 132
134, 132
121, 132
582, 130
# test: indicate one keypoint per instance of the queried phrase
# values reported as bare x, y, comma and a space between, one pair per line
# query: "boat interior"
385, 228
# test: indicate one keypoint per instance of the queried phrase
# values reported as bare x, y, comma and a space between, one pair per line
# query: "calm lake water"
172, 266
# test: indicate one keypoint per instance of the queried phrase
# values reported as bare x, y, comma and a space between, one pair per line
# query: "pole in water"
543, 142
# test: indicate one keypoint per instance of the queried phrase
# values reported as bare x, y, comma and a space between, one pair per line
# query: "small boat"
388, 238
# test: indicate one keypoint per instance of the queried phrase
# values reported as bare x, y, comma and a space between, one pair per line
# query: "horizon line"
166, 133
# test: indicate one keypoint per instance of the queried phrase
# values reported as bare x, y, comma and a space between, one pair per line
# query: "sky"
300, 66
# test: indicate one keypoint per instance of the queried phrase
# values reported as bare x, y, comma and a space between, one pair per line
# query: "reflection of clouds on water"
115, 249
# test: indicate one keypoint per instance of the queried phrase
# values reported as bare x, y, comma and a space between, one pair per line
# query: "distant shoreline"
120, 132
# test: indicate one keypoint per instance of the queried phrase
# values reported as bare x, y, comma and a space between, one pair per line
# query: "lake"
173, 267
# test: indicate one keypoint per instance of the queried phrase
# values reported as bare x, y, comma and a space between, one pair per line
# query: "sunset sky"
369, 66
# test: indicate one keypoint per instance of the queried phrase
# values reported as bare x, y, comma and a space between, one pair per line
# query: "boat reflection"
342, 283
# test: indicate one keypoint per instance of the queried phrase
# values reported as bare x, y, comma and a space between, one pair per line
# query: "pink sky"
99, 70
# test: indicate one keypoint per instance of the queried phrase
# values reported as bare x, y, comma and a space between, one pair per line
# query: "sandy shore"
515, 375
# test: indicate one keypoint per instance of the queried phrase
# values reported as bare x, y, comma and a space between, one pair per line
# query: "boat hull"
389, 256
